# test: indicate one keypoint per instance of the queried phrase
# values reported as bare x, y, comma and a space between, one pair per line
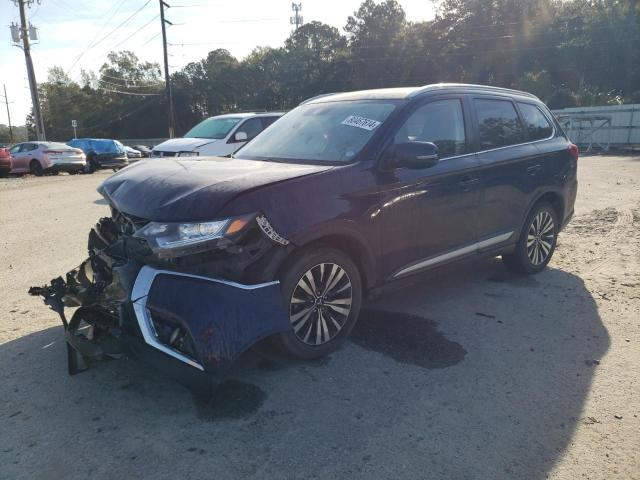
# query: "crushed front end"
189, 298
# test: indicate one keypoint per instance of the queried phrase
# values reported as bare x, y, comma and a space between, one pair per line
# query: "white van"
217, 136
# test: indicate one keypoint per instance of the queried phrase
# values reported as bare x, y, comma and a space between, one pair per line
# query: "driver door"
427, 215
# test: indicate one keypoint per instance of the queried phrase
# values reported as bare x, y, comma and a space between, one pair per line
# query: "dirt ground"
468, 373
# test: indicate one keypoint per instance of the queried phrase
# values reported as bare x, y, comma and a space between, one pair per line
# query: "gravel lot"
471, 373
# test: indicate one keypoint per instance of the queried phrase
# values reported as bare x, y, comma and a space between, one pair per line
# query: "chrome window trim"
454, 254
514, 102
140, 292
550, 137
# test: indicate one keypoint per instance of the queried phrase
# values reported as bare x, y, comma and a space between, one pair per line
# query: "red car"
5, 162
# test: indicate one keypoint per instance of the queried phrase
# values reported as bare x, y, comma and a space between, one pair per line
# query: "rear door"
509, 166
16, 158
427, 216
25, 156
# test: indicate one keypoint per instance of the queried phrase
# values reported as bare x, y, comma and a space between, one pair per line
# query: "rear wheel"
322, 292
35, 167
90, 166
537, 241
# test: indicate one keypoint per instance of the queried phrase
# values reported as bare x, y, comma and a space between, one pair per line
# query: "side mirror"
416, 154
240, 137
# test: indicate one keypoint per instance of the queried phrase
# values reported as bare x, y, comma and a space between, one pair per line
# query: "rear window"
56, 146
106, 146
537, 125
498, 123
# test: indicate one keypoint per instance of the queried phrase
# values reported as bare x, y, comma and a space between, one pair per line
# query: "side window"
15, 149
537, 125
27, 147
266, 121
251, 127
498, 123
440, 122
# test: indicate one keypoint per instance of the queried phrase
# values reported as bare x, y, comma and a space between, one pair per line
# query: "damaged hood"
183, 144
181, 190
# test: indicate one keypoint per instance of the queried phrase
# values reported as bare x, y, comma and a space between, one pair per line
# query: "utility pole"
168, 94
6, 101
33, 86
297, 18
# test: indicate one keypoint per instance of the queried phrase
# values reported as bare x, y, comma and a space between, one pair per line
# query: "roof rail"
487, 88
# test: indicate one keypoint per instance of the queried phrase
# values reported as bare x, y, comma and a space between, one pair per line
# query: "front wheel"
537, 241
322, 292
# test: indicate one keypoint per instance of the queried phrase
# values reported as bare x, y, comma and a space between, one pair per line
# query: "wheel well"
356, 251
556, 202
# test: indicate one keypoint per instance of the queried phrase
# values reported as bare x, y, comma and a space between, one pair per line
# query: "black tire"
35, 167
326, 320
73, 172
90, 166
537, 241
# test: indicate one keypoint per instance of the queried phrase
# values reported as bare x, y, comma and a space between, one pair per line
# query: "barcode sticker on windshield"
360, 122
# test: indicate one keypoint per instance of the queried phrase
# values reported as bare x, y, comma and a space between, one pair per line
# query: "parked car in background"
144, 150
101, 153
5, 162
133, 155
343, 195
220, 136
39, 158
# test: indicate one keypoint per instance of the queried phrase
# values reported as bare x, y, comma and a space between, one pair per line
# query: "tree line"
568, 52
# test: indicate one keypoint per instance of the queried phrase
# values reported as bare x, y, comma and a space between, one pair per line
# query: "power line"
115, 85
135, 32
151, 39
113, 77
122, 117
129, 93
95, 44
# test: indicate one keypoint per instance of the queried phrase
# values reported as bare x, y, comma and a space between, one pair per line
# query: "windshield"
215, 128
323, 132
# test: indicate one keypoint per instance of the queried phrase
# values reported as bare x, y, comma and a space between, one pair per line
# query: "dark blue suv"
101, 153
344, 194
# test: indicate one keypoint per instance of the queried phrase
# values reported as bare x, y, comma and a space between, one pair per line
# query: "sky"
78, 34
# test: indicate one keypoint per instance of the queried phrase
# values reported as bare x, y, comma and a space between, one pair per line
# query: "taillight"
53, 152
573, 151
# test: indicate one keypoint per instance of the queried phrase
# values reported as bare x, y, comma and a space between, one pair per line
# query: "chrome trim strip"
454, 253
139, 295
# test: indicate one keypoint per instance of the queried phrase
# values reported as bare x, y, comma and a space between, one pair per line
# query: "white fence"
602, 127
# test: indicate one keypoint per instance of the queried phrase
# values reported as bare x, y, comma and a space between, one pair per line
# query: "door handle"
533, 169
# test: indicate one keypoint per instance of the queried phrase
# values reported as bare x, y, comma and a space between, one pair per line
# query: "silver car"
132, 154
39, 158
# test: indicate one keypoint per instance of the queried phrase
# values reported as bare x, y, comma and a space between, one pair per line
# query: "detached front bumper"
189, 326
204, 322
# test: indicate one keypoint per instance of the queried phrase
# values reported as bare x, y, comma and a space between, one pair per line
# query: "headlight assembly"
176, 239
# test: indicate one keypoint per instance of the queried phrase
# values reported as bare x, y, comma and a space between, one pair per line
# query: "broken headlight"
175, 239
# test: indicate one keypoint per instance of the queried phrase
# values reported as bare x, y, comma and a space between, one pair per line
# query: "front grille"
127, 224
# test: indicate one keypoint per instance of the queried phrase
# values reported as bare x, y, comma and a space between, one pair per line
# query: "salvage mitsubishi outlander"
202, 258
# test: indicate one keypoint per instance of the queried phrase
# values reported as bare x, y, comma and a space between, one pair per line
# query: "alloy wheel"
540, 238
320, 303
